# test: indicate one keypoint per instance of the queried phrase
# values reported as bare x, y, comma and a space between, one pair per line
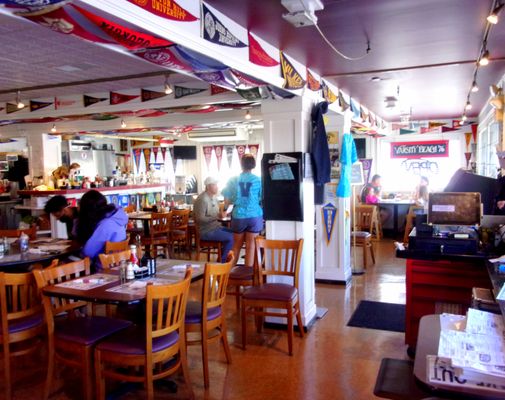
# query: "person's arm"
200, 212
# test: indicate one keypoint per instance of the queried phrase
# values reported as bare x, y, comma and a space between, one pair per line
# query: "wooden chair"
71, 340
362, 226
113, 247
130, 208
275, 258
22, 317
208, 247
149, 352
15, 233
113, 260
179, 231
207, 316
159, 230
409, 220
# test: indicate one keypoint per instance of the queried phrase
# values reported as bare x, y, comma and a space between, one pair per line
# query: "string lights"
247, 115
484, 55
19, 103
168, 88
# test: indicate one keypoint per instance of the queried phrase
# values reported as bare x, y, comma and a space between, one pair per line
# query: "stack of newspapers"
471, 353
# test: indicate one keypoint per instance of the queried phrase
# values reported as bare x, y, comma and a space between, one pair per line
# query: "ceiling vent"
390, 101
301, 12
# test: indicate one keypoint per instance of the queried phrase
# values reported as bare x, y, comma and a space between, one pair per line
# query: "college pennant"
328, 94
329, 212
146, 95
214, 77
214, 31
214, 89
344, 105
37, 105
468, 139
118, 98
292, 79
312, 83
59, 103
252, 94
244, 79
474, 132
89, 100
240, 150
253, 149
164, 57
59, 20
30, 3
136, 157
11, 108
257, 55
126, 37
163, 152
168, 9
363, 114
229, 154
218, 149
147, 157
180, 91
207, 153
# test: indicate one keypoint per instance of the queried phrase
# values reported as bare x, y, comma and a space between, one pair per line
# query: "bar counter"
146, 188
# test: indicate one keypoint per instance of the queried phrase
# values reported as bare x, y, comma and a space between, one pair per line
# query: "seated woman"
99, 222
371, 196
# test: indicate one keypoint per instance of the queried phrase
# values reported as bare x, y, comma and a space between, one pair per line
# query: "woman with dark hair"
98, 223
244, 192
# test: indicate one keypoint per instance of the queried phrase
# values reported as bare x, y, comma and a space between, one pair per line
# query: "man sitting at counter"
206, 214
58, 207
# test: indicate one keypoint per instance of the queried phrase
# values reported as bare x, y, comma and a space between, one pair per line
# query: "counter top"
43, 193
426, 255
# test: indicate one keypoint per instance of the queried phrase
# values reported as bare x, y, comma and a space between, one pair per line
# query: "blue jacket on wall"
320, 152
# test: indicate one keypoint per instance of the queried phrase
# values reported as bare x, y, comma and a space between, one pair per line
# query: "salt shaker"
122, 272
23, 242
6, 245
129, 271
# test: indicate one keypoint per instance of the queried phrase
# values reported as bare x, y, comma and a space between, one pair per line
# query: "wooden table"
102, 294
17, 261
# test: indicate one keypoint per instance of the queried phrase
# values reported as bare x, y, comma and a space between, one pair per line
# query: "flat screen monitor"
185, 152
451, 208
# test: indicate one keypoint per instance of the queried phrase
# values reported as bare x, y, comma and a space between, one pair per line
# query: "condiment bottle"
149, 262
129, 271
6, 245
23, 242
133, 255
138, 243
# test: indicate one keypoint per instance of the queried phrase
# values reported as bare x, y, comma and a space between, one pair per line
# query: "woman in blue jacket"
99, 222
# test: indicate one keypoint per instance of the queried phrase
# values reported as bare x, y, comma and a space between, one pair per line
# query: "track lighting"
168, 88
53, 129
493, 17
484, 60
123, 124
464, 118
19, 103
475, 88
468, 105
247, 115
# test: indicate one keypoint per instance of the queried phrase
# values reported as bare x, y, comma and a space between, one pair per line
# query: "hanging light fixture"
464, 118
468, 105
53, 129
19, 103
168, 88
247, 115
484, 60
493, 17
475, 88
123, 124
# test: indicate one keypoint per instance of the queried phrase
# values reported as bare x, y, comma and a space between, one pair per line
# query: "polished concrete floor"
333, 361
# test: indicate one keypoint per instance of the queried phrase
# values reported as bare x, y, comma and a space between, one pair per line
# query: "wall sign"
434, 148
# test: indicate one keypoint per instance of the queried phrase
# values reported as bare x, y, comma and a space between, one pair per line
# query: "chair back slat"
169, 301
159, 223
115, 247
215, 282
279, 258
19, 297
113, 260
180, 219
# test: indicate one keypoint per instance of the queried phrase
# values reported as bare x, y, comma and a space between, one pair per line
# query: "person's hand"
500, 204
223, 214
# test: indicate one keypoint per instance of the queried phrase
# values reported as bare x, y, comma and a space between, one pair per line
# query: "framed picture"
357, 174
4, 166
11, 157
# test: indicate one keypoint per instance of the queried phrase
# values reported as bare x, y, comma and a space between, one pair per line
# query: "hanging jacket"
348, 156
320, 152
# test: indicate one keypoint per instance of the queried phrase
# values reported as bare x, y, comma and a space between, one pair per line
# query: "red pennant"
245, 79
468, 157
253, 149
136, 157
164, 57
147, 157
163, 152
59, 20
126, 37
168, 9
240, 150
214, 89
219, 155
456, 123
59, 103
447, 129
474, 132
312, 83
257, 55
118, 98
207, 152
155, 152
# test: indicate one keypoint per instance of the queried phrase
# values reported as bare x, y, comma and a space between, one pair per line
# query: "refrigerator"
93, 161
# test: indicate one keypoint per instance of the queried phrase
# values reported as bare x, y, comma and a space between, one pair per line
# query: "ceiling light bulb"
19, 103
475, 88
468, 105
484, 60
493, 17
464, 118
53, 129
247, 115
123, 124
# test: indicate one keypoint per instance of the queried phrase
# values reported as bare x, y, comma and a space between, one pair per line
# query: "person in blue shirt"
99, 222
244, 192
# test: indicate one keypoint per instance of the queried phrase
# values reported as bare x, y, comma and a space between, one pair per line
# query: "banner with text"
435, 148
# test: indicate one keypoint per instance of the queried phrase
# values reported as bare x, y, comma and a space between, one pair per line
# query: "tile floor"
333, 361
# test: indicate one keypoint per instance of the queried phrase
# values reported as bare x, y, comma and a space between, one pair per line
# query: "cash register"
450, 226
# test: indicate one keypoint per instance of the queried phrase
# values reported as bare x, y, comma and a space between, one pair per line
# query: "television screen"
185, 152
451, 208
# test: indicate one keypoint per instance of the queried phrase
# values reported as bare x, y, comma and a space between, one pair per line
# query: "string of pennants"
220, 150
153, 155
67, 18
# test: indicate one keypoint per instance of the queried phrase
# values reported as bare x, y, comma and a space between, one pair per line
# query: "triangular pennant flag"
180, 91
435, 124
312, 83
229, 154
474, 132
89, 101
215, 78
240, 150
136, 157
244, 79
59, 20
429, 130
218, 150
250, 94
277, 93
174, 161
257, 55
329, 212
146, 95
371, 118
207, 153
328, 94
214, 30
468, 157
292, 79
468, 138
124, 36
155, 152
118, 98
456, 123
447, 129
164, 57
253, 149
32, 3
37, 105
147, 157
11, 108
341, 101
363, 114
198, 62
214, 89
354, 108
166, 9
59, 103
404, 131
163, 151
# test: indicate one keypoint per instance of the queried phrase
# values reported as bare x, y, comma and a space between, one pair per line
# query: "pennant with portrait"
218, 150
89, 100
207, 153
168, 9
146, 95
214, 31
292, 79
164, 57
240, 150
257, 55
119, 98
229, 154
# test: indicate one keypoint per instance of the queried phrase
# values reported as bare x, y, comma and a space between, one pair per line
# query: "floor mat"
377, 315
